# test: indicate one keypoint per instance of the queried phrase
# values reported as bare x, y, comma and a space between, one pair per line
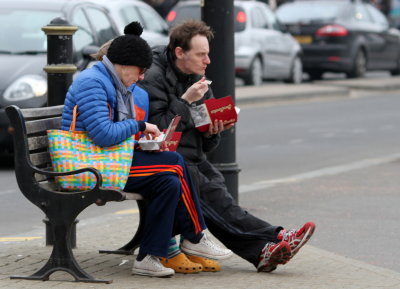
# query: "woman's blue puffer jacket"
92, 91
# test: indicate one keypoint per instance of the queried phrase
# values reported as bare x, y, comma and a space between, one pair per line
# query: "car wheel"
359, 65
255, 75
397, 70
296, 72
315, 75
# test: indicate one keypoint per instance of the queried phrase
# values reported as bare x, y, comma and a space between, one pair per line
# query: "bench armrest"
48, 172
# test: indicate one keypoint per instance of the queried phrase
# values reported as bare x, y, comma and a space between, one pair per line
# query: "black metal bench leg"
61, 259
133, 244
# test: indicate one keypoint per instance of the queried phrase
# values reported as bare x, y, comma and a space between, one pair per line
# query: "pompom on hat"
131, 49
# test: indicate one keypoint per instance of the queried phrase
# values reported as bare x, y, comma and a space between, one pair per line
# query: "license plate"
303, 39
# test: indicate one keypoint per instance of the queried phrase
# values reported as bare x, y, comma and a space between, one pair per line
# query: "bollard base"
230, 171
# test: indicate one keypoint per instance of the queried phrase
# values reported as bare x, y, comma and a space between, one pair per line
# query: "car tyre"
315, 75
255, 75
359, 66
396, 71
296, 71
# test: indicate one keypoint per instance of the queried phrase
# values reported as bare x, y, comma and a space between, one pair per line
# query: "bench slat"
40, 159
41, 112
38, 142
42, 125
133, 196
42, 178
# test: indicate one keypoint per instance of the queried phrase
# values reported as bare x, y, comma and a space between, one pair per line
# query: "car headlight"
26, 87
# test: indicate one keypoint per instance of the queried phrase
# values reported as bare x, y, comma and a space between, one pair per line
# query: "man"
175, 83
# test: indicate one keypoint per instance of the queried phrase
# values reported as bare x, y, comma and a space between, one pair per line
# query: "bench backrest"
31, 153
30, 140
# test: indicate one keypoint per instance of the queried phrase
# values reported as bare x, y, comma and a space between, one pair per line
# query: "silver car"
23, 48
263, 50
123, 12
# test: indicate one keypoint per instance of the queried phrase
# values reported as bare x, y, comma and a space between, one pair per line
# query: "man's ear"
179, 52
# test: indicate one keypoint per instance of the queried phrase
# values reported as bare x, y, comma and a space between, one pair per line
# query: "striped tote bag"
72, 150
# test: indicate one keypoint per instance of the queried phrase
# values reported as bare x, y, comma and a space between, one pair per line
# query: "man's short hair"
181, 34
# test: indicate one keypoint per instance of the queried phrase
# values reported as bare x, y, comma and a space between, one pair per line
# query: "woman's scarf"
125, 103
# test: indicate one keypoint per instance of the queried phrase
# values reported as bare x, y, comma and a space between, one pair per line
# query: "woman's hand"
151, 131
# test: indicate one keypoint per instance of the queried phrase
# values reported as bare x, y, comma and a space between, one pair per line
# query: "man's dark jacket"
165, 87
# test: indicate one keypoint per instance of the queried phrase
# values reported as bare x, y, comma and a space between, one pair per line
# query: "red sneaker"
297, 238
272, 255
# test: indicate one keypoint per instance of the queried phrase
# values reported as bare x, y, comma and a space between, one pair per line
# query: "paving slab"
391, 83
311, 267
273, 92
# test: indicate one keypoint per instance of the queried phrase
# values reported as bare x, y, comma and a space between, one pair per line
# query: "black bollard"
60, 67
60, 70
218, 14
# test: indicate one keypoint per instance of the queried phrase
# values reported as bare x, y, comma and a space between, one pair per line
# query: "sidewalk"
273, 92
311, 268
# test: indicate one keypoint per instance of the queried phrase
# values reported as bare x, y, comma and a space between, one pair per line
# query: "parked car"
23, 48
394, 13
349, 36
262, 49
123, 12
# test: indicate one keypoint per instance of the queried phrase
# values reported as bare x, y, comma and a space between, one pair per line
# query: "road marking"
127, 212
18, 239
329, 171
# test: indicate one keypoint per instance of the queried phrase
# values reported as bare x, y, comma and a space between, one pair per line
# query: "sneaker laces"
211, 244
288, 236
297, 238
156, 262
266, 250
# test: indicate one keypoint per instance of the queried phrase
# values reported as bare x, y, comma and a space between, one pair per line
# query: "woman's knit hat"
131, 49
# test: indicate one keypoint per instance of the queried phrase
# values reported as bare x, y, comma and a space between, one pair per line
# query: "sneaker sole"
281, 255
151, 273
309, 232
200, 254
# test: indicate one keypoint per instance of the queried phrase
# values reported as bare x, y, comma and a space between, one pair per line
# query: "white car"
263, 50
123, 12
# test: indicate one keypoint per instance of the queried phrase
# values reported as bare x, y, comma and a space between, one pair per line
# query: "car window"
194, 12
271, 18
83, 36
258, 19
151, 20
361, 13
22, 30
103, 27
377, 16
310, 11
187, 12
129, 14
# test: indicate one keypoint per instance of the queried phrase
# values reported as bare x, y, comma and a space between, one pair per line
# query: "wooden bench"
35, 178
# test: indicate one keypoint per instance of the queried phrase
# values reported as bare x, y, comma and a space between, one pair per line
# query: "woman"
161, 177
178, 261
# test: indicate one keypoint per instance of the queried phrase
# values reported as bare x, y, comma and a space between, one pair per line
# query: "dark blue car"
342, 36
